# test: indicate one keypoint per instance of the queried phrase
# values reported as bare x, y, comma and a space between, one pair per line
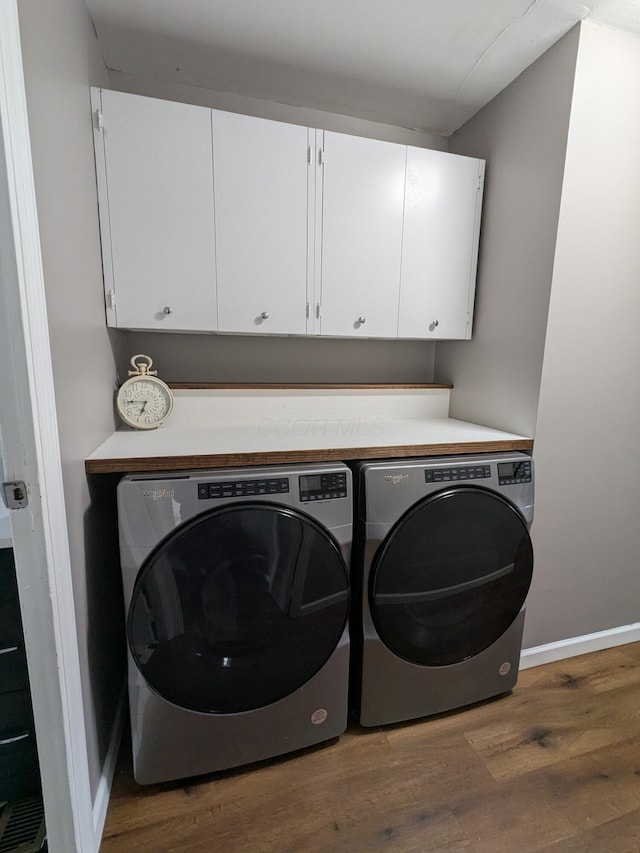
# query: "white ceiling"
425, 64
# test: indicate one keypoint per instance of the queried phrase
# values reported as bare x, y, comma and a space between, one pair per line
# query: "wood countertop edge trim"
281, 457
304, 386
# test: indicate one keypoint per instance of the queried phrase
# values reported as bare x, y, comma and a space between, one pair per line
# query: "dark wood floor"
554, 766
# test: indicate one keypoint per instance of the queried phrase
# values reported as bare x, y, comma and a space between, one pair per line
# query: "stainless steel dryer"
237, 594
443, 568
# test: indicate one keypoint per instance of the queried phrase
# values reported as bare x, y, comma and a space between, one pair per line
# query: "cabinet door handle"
265, 315
8, 649
6, 741
167, 309
362, 319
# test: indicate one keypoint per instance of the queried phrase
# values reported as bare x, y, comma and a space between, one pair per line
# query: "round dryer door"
451, 576
238, 608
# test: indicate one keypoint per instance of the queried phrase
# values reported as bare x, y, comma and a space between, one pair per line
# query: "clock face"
144, 402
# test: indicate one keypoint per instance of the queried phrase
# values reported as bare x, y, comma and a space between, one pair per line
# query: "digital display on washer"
323, 487
310, 484
510, 473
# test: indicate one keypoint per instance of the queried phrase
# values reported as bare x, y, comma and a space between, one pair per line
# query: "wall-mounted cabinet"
362, 200
213, 221
155, 183
442, 207
263, 216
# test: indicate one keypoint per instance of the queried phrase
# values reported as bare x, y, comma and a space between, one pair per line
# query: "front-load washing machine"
443, 566
236, 591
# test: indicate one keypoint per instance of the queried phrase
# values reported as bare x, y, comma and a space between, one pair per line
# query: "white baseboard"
101, 802
580, 645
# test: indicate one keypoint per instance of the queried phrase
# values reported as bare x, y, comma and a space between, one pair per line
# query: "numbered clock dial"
144, 402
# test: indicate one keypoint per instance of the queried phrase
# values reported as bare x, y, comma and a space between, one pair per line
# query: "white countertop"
297, 435
258, 428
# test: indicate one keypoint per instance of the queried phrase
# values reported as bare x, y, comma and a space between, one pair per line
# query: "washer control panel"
244, 488
455, 475
510, 473
323, 487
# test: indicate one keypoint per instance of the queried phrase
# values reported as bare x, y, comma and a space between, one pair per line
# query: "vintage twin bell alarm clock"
144, 401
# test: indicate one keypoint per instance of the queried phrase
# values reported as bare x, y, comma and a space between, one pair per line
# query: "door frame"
29, 430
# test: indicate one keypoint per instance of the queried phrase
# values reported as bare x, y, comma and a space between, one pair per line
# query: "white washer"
236, 592
443, 567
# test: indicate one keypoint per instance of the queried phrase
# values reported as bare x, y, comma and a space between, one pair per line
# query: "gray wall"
232, 358
522, 134
237, 358
61, 60
140, 84
587, 530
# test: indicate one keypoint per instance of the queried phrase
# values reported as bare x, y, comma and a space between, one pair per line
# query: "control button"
203, 491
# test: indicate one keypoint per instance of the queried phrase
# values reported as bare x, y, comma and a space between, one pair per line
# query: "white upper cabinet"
214, 221
361, 241
263, 191
440, 244
156, 212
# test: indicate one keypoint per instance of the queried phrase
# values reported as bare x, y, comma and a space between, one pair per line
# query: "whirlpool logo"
158, 494
396, 479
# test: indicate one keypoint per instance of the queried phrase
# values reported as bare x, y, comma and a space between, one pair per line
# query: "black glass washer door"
451, 576
238, 608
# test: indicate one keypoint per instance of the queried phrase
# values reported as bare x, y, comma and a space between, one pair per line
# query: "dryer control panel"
322, 487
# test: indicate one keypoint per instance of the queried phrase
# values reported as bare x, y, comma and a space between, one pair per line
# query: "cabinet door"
362, 206
262, 181
158, 234
440, 244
